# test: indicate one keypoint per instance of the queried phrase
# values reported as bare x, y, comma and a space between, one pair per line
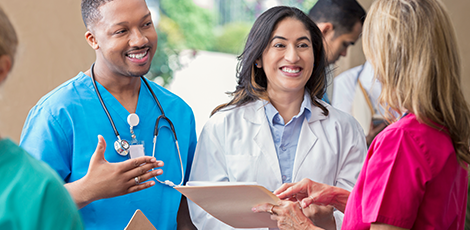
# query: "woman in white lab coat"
276, 129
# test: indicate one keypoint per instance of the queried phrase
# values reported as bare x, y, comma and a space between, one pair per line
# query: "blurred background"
196, 58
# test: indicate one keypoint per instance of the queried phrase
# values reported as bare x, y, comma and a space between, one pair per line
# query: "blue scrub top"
62, 130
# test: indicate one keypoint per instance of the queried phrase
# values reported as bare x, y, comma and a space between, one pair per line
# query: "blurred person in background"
340, 22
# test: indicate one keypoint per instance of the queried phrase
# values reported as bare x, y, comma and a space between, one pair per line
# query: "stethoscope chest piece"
122, 147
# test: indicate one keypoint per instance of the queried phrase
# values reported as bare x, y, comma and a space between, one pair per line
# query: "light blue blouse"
286, 136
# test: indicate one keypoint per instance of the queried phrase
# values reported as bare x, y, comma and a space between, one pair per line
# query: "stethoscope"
122, 146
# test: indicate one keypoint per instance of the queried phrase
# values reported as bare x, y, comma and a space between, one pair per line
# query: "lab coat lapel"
306, 141
264, 139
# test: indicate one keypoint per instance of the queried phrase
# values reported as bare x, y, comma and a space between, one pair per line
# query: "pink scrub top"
411, 179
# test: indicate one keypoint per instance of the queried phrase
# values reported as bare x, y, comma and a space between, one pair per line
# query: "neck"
124, 88
286, 103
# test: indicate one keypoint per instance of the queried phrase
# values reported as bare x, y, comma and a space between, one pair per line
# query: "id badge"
136, 150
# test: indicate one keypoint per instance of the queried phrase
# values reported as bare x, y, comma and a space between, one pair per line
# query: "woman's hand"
321, 216
311, 192
105, 180
288, 214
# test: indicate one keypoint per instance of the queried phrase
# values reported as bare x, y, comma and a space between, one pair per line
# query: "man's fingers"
142, 169
141, 186
151, 174
98, 155
134, 163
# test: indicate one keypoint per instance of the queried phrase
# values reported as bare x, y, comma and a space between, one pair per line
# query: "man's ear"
5, 67
326, 28
91, 39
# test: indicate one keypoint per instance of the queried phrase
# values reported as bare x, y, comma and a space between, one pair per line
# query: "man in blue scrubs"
62, 128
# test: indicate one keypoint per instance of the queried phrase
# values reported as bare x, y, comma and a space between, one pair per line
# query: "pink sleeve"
394, 185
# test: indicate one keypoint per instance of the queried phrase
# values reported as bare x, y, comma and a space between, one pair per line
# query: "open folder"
231, 202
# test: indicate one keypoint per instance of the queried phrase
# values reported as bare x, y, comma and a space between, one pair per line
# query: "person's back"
415, 164
32, 195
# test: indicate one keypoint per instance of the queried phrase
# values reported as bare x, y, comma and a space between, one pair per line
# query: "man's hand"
105, 180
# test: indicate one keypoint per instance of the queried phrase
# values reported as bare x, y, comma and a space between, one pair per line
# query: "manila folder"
232, 204
139, 222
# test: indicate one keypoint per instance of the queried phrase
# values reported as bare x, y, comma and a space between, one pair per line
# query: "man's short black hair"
343, 14
90, 12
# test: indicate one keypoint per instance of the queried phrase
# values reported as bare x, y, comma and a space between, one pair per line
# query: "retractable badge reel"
136, 149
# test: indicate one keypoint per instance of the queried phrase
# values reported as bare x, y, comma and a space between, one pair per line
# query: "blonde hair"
8, 37
412, 46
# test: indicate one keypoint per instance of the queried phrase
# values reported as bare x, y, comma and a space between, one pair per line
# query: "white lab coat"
236, 145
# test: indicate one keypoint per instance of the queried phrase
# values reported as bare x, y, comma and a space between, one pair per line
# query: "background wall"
53, 49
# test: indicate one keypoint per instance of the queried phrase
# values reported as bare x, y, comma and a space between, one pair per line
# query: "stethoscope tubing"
155, 133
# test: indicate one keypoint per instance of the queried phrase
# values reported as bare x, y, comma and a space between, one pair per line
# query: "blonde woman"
414, 176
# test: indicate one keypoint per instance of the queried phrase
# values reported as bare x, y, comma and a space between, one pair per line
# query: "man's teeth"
137, 56
285, 69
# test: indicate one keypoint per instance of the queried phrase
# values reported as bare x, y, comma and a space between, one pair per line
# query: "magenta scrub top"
410, 179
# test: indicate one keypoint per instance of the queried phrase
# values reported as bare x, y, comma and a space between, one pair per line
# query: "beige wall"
52, 49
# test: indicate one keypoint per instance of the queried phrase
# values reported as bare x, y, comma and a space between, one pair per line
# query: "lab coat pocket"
242, 167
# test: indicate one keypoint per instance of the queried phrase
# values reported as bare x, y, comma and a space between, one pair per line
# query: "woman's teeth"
288, 70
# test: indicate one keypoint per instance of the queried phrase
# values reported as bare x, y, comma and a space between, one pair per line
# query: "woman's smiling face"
288, 59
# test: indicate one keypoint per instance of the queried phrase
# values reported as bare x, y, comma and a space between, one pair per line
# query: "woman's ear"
91, 39
258, 63
5, 67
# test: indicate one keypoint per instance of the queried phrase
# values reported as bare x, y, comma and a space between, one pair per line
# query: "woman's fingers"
266, 207
283, 188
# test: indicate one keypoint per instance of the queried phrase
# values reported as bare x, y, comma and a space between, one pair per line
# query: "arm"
106, 180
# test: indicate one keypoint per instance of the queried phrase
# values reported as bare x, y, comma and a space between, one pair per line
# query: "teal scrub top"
32, 196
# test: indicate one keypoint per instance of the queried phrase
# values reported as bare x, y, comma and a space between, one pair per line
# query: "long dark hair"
252, 82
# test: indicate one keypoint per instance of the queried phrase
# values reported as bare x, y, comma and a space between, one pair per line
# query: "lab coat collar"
255, 113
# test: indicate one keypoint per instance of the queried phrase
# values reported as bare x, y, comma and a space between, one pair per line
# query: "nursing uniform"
62, 130
410, 179
32, 196
237, 145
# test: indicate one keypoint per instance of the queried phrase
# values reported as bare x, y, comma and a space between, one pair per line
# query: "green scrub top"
32, 195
